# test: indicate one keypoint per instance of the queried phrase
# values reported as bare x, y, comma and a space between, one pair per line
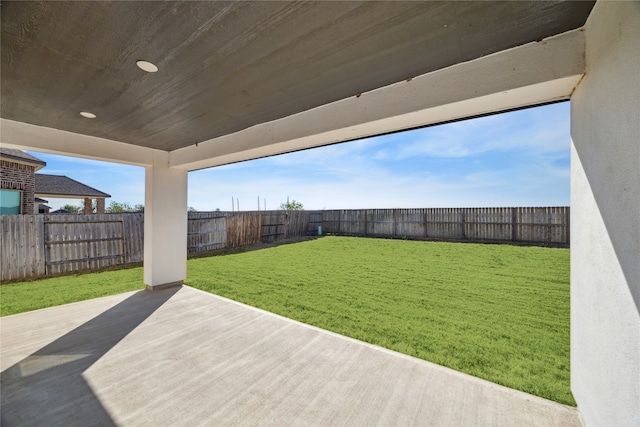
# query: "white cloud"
521, 158
536, 185
541, 130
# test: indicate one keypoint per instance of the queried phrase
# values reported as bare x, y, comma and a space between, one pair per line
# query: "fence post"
395, 223
514, 225
366, 225
426, 223
122, 246
286, 221
464, 220
548, 224
40, 245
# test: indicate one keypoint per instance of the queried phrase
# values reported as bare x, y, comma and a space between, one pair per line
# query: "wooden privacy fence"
278, 225
208, 231
40, 245
216, 230
548, 226
70, 246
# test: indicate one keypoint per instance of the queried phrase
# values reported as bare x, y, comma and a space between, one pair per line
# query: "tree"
291, 206
116, 207
138, 208
71, 208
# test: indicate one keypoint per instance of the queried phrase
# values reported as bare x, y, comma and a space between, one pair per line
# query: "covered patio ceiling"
228, 66
241, 80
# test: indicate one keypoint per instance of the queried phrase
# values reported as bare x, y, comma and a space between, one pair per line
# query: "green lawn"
498, 312
27, 296
494, 311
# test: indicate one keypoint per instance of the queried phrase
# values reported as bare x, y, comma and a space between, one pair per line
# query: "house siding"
17, 176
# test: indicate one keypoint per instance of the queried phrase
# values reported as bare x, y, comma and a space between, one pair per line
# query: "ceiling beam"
534, 73
25, 136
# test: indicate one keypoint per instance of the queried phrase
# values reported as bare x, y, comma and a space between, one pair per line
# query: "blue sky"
513, 159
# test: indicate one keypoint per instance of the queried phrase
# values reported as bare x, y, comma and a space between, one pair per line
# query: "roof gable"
20, 156
63, 186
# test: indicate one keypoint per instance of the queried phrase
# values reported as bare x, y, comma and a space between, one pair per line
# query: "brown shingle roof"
61, 186
22, 157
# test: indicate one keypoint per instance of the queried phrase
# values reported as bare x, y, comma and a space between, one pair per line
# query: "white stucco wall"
165, 223
605, 220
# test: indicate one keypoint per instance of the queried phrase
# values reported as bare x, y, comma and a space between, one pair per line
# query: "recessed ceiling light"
88, 115
147, 66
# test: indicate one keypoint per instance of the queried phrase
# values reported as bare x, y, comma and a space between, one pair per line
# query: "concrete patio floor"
185, 357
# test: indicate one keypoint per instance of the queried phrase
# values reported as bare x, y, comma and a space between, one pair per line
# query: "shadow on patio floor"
48, 387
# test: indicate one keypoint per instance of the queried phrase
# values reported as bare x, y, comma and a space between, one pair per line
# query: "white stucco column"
165, 224
605, 220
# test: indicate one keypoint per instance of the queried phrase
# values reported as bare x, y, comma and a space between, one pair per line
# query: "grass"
497, 312
27, 296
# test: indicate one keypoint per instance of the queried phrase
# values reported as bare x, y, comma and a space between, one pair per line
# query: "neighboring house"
21, 189
17, 181
40, 206
66, 188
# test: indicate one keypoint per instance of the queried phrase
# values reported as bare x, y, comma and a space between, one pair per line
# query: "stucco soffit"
26, 136
534, 73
